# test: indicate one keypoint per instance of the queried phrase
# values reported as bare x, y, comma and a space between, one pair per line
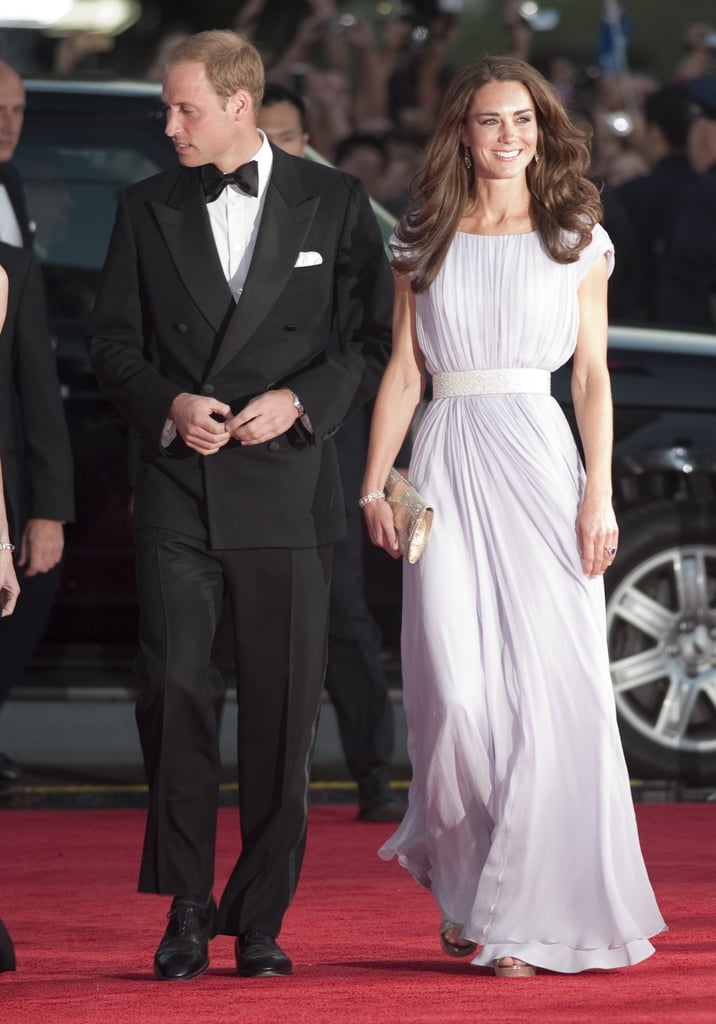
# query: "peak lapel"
184, 224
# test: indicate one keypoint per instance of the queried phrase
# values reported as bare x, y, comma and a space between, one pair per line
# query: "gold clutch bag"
412, 516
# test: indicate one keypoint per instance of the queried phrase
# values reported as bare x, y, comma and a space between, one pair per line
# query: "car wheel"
661, 622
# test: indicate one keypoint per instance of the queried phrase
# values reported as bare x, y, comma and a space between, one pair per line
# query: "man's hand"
264, 417
193, 416
41, 546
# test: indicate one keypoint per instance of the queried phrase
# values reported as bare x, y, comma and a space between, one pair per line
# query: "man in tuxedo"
355, 678
244, 312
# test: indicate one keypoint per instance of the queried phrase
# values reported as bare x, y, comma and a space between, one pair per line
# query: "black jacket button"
273, 446
207, 389
181, 328
289, 327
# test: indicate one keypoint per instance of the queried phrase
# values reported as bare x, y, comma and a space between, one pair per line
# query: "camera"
425, 16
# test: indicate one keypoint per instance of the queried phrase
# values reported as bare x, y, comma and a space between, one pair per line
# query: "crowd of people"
371, 93
277, 338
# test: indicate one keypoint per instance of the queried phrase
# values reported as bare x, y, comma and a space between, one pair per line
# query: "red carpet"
362, 935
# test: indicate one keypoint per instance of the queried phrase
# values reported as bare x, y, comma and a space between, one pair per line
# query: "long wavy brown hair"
565, 204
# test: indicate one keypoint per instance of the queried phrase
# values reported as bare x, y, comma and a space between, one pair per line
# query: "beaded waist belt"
491, 382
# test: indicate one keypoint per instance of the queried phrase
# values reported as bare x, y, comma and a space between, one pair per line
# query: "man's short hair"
230, 61
361, 140
702, 93
670, 110
275, 93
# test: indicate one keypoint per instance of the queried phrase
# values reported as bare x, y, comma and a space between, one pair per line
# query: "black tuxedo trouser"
277, 599
7, 950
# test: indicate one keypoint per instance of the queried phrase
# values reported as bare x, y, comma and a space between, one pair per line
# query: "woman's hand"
379, 520
9, 587
597, 534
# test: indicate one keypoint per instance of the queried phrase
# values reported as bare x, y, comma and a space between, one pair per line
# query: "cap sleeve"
396, 246
600, 245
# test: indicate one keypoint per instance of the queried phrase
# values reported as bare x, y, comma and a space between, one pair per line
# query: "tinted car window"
79, 148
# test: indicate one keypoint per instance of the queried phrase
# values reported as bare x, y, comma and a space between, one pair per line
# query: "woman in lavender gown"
520, 820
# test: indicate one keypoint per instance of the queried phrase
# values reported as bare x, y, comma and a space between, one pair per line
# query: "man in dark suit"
37, 464
240, 319
688, 296
33, 431
355, 678
651, 199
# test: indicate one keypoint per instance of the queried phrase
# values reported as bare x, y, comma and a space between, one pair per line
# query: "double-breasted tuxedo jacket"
165, 322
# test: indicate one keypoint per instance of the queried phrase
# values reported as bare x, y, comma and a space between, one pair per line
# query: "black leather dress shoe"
10, 772
7, 951
258, 955
377, 801
183, 953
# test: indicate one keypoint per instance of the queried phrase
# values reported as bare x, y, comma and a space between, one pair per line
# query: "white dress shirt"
9, 227
235, 219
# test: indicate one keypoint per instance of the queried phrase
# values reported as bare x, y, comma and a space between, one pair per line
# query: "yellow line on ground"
228, 787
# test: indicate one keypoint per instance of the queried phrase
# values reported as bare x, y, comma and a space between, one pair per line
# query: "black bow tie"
246, 177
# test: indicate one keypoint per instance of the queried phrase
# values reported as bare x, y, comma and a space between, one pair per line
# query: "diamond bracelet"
367, 498
5, 545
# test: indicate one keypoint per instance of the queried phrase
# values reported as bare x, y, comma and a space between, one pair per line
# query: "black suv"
82, 142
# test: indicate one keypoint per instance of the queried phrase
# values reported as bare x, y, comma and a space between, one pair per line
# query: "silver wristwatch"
297, 404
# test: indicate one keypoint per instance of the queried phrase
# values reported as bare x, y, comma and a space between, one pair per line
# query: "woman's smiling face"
501, 130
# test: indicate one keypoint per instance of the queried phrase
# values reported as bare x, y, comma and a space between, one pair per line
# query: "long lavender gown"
520, 818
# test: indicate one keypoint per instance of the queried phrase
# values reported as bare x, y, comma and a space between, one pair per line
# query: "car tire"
661, 625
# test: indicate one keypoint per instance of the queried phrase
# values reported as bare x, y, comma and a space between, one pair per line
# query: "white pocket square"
308, 259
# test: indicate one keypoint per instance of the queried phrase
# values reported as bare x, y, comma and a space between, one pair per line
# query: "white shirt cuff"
168, 433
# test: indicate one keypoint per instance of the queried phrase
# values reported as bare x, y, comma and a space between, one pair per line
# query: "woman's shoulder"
600, 245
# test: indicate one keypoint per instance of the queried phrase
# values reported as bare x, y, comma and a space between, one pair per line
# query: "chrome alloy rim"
661, 622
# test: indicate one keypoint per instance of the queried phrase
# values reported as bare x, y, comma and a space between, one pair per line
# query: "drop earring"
467, 159
536, 158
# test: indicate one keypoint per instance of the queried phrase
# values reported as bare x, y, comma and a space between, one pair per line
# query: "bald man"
33, 433
15, 227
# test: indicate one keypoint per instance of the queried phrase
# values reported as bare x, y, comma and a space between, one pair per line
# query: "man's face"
12, 111
282, 124
202, 130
